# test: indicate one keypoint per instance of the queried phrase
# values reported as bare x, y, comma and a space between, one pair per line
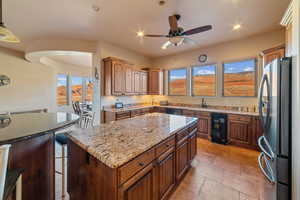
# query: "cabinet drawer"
182, 134
135, 113
240, 118
193, 127
132, 167
166, 145
189, 113
122, 115
203, 114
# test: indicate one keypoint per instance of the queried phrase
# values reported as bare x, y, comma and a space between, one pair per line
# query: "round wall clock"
202, 58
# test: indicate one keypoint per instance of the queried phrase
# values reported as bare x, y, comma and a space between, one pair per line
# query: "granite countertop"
183, 107
25, 126
116, 143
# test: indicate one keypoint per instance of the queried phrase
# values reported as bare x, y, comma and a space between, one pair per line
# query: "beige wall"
229, 51
30, 86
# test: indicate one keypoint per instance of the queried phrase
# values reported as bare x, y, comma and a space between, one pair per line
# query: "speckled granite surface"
183, 107
116, 143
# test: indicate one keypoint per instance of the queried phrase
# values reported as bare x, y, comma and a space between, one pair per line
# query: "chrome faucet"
203, 104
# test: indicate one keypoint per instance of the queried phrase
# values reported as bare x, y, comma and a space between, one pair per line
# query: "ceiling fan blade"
173, 23
149, 35
189, 41
197, 30
166, 45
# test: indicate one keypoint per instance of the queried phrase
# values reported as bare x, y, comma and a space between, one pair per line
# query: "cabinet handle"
141, 164
167, 145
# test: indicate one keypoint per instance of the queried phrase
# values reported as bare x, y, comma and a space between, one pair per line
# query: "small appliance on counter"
163, 103
119, 105
219, 128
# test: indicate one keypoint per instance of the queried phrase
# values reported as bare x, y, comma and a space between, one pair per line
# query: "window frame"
192, 80
67, 90
255, 78
187, 81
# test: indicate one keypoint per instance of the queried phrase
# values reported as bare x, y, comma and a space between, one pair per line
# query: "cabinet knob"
167, 145
141, 164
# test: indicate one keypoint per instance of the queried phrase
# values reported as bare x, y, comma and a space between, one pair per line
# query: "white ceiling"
118, 21
84, 59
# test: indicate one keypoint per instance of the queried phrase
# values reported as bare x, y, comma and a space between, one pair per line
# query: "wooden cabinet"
137, 82
257, 131
204, 124
182, 158
193, 144
139, 187
166, 174
240, 130
155, 81
270, 54
120, 78
129, 83
36, 157
144, 83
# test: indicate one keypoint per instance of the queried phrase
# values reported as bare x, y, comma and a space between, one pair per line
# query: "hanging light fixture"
5, 34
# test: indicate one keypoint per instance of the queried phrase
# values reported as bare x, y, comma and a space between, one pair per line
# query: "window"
204, 80
89, 90
61, 90
77, 88
177, 82
239, 78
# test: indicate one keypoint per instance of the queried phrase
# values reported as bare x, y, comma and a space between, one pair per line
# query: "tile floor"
218, 173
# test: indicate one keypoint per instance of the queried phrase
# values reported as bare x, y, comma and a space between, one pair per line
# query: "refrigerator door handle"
269, 175
269, 153
262, 104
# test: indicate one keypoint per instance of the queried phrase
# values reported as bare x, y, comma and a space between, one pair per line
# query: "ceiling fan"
177, 35
5, 34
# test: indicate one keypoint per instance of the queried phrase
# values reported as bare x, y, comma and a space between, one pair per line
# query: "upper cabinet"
270, 54
121, 78
155, 81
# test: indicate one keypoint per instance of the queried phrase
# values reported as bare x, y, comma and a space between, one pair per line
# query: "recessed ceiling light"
237, 27
95, 8
140, 34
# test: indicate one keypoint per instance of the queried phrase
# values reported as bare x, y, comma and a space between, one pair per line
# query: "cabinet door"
204, 124
128, 80
257, 132
141, 186
137, 82
240, 132
154, 82
166, 175
193, 146
182, 159
144, 83
118, 78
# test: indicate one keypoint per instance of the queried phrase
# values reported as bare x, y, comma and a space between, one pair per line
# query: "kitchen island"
143, 157
32, 138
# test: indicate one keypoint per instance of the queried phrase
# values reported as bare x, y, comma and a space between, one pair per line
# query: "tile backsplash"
233, 103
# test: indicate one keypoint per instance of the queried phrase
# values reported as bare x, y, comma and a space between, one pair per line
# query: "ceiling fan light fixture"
176, 40
7, 36
237, 27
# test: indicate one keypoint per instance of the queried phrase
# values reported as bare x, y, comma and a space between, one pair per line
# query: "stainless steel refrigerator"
275, 113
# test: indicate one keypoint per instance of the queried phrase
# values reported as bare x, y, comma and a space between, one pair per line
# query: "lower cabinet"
204, 125
182, 156
166, 174
141, 186
193, 144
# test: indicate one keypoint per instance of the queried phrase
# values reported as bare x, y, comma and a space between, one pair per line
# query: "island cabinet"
152, 175
121, 78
